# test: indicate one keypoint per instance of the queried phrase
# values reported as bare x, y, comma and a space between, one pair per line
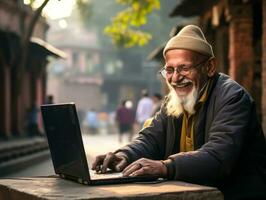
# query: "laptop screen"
65, 141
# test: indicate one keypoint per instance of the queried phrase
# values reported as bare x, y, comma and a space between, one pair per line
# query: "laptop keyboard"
110, 175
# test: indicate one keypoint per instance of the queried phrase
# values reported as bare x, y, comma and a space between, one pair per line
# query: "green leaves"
85, 8
125, 28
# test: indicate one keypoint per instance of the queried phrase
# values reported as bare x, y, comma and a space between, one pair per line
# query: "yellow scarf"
187, 132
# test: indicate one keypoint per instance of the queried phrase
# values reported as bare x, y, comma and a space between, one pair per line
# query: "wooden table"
56, 188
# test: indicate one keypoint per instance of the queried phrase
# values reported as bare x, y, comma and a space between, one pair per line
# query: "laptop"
67, 151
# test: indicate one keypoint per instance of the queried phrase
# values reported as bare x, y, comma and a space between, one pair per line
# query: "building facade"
15, 103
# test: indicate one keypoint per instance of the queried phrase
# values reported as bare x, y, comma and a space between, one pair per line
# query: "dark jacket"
124, 115
230, 149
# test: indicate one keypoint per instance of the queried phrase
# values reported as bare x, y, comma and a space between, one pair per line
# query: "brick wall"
264, 68
240, 45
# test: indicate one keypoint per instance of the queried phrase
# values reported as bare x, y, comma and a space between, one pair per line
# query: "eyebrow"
182, 65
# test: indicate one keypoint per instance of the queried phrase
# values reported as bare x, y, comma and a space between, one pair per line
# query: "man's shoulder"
227, 84
226, 87
225, 81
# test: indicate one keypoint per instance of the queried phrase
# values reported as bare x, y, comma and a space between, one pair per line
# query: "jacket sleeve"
150, 143
217, 157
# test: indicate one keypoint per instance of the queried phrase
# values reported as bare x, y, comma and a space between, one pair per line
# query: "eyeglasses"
182, 70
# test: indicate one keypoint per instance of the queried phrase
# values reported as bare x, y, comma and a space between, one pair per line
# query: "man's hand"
145, 166
115, 162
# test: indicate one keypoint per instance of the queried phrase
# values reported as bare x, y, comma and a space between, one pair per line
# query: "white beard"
176, 105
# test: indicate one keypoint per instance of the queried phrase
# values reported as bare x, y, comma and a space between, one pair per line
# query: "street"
94, 145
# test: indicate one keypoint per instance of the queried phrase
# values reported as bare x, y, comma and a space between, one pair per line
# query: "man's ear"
211, 67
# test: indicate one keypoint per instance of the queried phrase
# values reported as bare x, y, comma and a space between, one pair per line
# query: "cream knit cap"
192, 38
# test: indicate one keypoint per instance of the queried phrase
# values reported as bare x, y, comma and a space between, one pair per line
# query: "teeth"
183, 84
179, 86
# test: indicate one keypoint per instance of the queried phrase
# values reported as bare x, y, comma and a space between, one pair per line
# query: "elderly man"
206, 132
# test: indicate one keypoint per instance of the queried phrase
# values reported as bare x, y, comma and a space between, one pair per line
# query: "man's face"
185, 73
193, 79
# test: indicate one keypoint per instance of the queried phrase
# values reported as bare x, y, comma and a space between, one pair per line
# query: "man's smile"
183, 87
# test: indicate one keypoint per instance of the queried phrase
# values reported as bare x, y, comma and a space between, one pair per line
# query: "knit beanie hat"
192, 38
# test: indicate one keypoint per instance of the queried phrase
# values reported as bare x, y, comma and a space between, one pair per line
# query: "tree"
133, 22
26, 30
158, 24
122, 30
85, 9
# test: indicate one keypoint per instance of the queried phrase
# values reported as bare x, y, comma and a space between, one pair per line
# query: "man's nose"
176, 76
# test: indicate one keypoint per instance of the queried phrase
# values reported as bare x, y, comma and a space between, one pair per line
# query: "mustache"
183, 81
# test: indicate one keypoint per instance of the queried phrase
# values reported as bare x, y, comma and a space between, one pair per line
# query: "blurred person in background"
92, 121
125, 120
112, 126
207, 131
157, 101
32, 121
144, 108
49, 99
103, 118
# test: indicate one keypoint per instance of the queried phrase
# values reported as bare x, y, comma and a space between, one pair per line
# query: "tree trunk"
19, 115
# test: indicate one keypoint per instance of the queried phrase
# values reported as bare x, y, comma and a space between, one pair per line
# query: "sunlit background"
76, 56
55, 9
84, 66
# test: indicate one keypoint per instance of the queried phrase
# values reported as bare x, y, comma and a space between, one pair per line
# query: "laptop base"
120, 180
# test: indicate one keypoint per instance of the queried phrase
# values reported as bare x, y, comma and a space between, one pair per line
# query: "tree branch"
34, 20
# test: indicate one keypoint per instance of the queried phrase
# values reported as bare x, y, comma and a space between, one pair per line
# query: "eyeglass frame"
179, 69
